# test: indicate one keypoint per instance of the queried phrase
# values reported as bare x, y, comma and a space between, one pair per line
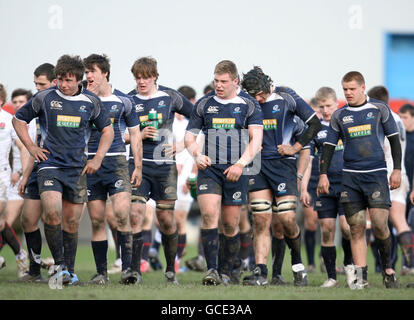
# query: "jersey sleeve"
333, 132
180, 103
387, 120
29, 111
296, 104
254, 113
196, 117
100, 117
131, 116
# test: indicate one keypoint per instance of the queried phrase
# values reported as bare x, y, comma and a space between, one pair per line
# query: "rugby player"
159, 172
66, 114
222, 186
112, 178
279, 106
362, 126
329, 206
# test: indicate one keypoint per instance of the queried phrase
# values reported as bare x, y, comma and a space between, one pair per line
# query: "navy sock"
294, 247
170, 244
115, 237
245, 245
365, 273
11, 239
329, 258
384, 250
210, 239
229, 253
220, 251
346, 246
278, 254
53, 235
406, 241
146, 238
182, 241
125, 242
310, 241
34, 248
200, 248
136, 251
263, 269
70, 246
100, 250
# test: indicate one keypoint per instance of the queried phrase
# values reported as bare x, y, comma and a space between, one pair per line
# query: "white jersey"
403, 142
7, 137
32, 130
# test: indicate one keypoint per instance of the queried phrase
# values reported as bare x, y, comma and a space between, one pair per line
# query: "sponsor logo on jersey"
114, 108
82, 109
212, 109
236, 196
348, 119
144, 119
237, 110
2, 125
370, 116
269, 124
161, 104
359, 131
48, 183
275, 109
223, 123
68, 121
56, 105
322, 134
139, 108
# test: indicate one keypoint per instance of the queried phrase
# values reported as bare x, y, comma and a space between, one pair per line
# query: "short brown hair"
324, 93
354, 75
101, 61
227, 66
21, 92
3, 95
146, 67
70, 65
379, 93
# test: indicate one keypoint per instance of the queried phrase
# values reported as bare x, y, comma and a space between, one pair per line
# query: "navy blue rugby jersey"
166, 102
279, 111
335, 169
362, 130
121, 111
222, 122
65, 124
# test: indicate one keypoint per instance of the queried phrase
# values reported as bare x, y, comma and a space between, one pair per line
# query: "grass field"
190, 287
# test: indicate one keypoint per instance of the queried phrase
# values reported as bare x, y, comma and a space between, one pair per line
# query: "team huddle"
254, 147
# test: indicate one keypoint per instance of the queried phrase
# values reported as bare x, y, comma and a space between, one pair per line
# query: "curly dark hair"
70, 65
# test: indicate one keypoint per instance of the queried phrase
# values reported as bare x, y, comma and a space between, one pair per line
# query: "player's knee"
286, 206
97, 224
380, 231
261, 206
165, 206
122, 221
327, 234
229, 228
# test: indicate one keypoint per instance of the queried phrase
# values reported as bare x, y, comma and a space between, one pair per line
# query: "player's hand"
149, 133
305, 198
38, 153
170, 150
323, 185
185, 188
92, 166
395, 179
202, 161
286, 150
14, 178
22, 186
233, 172
136, 178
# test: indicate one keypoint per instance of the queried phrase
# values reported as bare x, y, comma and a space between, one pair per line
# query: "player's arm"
234, 172
304, 194
27, 171
36, 152
136, 148
314, 126
303, 164
104, 144
396, 152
